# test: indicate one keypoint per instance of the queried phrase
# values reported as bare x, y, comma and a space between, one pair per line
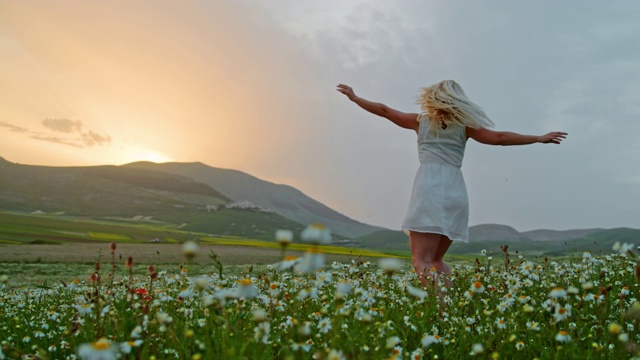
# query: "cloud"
90, 138
62, 125
77, 137
57, 140
14, 128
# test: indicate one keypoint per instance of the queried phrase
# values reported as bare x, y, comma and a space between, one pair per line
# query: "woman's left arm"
505, 138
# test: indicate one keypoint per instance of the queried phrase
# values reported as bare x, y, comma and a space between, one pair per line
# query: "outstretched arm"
505, 138
404, 120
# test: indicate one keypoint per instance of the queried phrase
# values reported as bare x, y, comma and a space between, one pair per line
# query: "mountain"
555, 235
492, 237
283, 199
134, 195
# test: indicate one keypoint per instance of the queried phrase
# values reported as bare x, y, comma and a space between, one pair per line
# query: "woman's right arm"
402, 119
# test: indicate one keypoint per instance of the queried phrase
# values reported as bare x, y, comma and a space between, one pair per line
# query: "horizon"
199, 162
250, 86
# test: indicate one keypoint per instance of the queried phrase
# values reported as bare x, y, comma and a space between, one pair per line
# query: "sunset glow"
251, 86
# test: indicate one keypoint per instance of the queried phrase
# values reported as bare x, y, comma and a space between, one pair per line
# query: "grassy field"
39, 250
35, 264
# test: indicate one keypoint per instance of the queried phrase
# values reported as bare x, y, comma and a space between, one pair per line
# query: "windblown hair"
445, 103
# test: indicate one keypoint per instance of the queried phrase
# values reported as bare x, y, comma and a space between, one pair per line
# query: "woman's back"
441, 146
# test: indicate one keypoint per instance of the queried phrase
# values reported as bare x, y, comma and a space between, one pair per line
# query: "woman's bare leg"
438, 260
424, 247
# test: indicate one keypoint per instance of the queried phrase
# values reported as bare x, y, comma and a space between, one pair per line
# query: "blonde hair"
445, 103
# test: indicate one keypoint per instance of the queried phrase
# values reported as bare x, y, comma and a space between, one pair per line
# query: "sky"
251, 86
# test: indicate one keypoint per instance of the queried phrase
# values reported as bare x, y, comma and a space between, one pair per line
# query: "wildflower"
343, 289
427, 340
259, 315
127, 346
129, 263
477, 287
572, 290
615, 328
163, 318
416, 354
304, 346
186, 294
390, 266
622, 249
246, 289
634, 311
624, 291
287, 263
323, 277
98, 350
414, 291
201, 283
94, 277
305, 329
84, 309
274, 289
112, 247
587, 285
262, 332
476, 349
136, 332
324, 325
190, 249
468, 294
562, 312
563, 336
396, 353
392, 342
316, 234
532, 325
335, 355
284, 237
501, 324
558, 293
519, 345
624, 337
312, 261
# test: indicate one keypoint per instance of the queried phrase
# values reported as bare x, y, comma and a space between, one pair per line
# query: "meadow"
309, 305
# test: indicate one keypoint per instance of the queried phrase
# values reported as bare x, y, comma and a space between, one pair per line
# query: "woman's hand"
347, 90
552, 138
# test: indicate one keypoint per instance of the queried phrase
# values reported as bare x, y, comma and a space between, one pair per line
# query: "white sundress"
439, 202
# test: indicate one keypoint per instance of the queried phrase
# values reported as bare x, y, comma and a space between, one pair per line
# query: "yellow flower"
615, 328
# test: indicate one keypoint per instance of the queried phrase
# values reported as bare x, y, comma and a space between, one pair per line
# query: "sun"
153, 156
142, 153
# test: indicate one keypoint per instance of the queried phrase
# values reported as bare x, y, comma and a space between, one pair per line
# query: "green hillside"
385, 239
600, 242
131, 195
283, 199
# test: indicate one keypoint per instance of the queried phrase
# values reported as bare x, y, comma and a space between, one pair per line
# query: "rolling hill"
492, 237
196, 197
133, 195
283, 199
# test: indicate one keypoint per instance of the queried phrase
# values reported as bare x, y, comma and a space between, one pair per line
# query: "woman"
438, 211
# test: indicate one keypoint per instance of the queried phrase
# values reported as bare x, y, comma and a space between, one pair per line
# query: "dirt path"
143, 253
